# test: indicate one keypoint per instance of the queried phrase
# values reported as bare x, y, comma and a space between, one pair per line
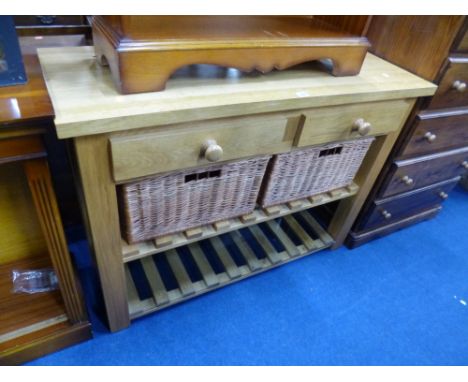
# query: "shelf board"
23, 313
171, 277
132, 252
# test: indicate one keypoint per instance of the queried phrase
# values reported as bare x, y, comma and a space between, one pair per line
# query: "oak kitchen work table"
121, 138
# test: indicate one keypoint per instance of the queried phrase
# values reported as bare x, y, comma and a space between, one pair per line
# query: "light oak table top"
86, 102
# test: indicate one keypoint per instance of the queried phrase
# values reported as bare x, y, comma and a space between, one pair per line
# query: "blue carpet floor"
399, 300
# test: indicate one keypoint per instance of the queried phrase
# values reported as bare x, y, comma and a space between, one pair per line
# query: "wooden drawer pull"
387, 215
459, 86
212, 151
430, 137
361, 126
407, 180
465, 164
443, 195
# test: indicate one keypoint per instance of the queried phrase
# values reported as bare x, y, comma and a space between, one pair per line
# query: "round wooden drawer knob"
430, 137
212, 151
387, 215
443, 195
407, 180
459, 86
465, 164
361, 127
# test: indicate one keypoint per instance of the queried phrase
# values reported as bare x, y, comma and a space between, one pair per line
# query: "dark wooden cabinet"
433, 146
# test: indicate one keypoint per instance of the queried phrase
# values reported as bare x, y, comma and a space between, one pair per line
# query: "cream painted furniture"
209, 114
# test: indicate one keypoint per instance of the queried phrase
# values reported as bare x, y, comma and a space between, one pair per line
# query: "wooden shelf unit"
132, 252
171, 277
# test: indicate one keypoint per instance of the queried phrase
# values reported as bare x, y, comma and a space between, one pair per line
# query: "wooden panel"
179, 148
19, 310
356, 239
389, 210
355, 24
38, 344
422, 171
103, 224
337, 123
20, 233
21, 149
452, 90
437, 131
461, 44
40, 184
419, 44
93, 106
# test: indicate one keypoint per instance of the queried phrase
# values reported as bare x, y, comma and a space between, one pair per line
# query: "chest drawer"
186, 146
346, 122
452, 91
394, 208
438, 131
406, 175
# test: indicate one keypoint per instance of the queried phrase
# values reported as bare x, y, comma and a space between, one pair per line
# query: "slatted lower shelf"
158, 281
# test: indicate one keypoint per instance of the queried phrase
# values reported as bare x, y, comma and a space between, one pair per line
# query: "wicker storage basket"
190, 198
303, 173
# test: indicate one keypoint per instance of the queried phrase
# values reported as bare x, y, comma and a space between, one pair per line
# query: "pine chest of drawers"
118, 138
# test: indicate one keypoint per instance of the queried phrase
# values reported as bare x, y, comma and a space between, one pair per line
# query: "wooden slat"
324, 236
273, 210
222, 224
283, 238
194, 233
155, 281
163, 241
300, 232
183, 279
248, 218
229, 265
132, 293
129, 249
246, 251
270, 251
295, 204
209, 276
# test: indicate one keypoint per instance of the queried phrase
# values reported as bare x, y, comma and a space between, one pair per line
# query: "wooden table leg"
103, 225
349, 208
40, 184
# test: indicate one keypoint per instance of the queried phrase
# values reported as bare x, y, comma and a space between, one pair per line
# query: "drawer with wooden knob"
436, 131
394, 208
344, 122
190, 145
410, 174
452, 91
